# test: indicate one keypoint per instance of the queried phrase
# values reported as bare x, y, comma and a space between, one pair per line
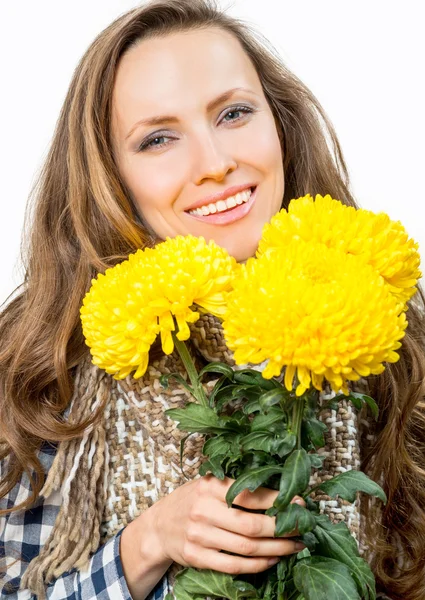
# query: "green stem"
297, 418
189, 365
313, 489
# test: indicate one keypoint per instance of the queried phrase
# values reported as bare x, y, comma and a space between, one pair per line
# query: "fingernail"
273, 561
299, 501
299, 546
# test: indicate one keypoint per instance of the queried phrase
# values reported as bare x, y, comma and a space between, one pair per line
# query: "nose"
211, 160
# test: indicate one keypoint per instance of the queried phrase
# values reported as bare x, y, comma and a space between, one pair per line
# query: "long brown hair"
84, 221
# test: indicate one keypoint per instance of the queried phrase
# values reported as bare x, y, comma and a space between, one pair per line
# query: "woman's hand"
193, 524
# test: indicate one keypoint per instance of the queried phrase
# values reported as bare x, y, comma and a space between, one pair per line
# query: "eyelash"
146, 144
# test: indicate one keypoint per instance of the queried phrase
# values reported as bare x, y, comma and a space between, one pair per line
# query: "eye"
154, 141
236, 109
149, 143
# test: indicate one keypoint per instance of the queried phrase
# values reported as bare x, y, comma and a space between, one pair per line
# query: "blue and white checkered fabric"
23, 534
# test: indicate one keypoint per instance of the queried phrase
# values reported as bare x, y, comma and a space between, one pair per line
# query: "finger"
234, 565
220, 539
240, 521
262, 498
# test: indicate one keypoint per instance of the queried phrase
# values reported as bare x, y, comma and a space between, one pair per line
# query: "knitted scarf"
131, 457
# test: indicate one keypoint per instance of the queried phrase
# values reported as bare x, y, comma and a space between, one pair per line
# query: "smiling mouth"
223, 205
226, 211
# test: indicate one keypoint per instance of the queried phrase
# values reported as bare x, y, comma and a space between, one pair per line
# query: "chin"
241, 254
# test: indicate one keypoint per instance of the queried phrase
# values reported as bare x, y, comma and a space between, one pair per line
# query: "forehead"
184, 69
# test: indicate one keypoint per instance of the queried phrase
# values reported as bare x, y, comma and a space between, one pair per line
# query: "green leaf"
316, 460
294, 517
230, 424
334, 535
251, 406
271, 398
218, 367
320, 578
251, 480
214, 466
163, 380
219, 384
267, 594
215, 446
266, 422
257, 440
240, 417
234, 391
282, 568
284, 445
347, 484
310, 540
179, 593
253, 377
312, 505
294, 479
196, 418
367, 400
364, 579
332, 404
315, 430
228, 393
359, 400
354, 401
235, 448
303, 554
272, 511
182, 442
280, 589
244, 586
335, 541
214, 584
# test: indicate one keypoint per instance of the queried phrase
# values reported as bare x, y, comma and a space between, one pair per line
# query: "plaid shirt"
24, 533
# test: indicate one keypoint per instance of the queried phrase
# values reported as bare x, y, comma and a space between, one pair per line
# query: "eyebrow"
160, 120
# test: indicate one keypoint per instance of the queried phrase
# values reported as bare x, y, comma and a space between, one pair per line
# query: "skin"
193, 525
205, 151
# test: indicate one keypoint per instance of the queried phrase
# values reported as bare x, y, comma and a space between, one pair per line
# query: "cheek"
264, 146
153, 184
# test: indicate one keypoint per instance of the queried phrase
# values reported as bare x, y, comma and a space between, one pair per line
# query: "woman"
238, 121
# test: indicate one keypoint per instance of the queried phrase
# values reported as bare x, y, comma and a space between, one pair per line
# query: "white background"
364, 61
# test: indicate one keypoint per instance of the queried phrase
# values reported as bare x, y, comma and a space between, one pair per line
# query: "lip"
231, 215
231, 191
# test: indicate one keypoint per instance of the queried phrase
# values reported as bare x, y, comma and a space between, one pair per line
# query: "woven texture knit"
131, 458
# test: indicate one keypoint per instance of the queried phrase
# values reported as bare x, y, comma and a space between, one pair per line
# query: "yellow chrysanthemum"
317, 311
146, 294
382, 243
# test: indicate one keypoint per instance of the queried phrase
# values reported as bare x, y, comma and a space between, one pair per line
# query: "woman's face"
205, 140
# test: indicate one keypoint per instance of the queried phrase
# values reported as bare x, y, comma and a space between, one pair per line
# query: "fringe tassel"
78, 470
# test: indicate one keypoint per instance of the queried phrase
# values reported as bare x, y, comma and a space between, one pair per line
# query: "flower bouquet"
323, 302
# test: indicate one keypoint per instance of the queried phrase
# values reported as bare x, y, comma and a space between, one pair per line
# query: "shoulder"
22, 489
24, 532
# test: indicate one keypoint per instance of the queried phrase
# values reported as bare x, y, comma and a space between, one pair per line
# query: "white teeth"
222, 205
231, 202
